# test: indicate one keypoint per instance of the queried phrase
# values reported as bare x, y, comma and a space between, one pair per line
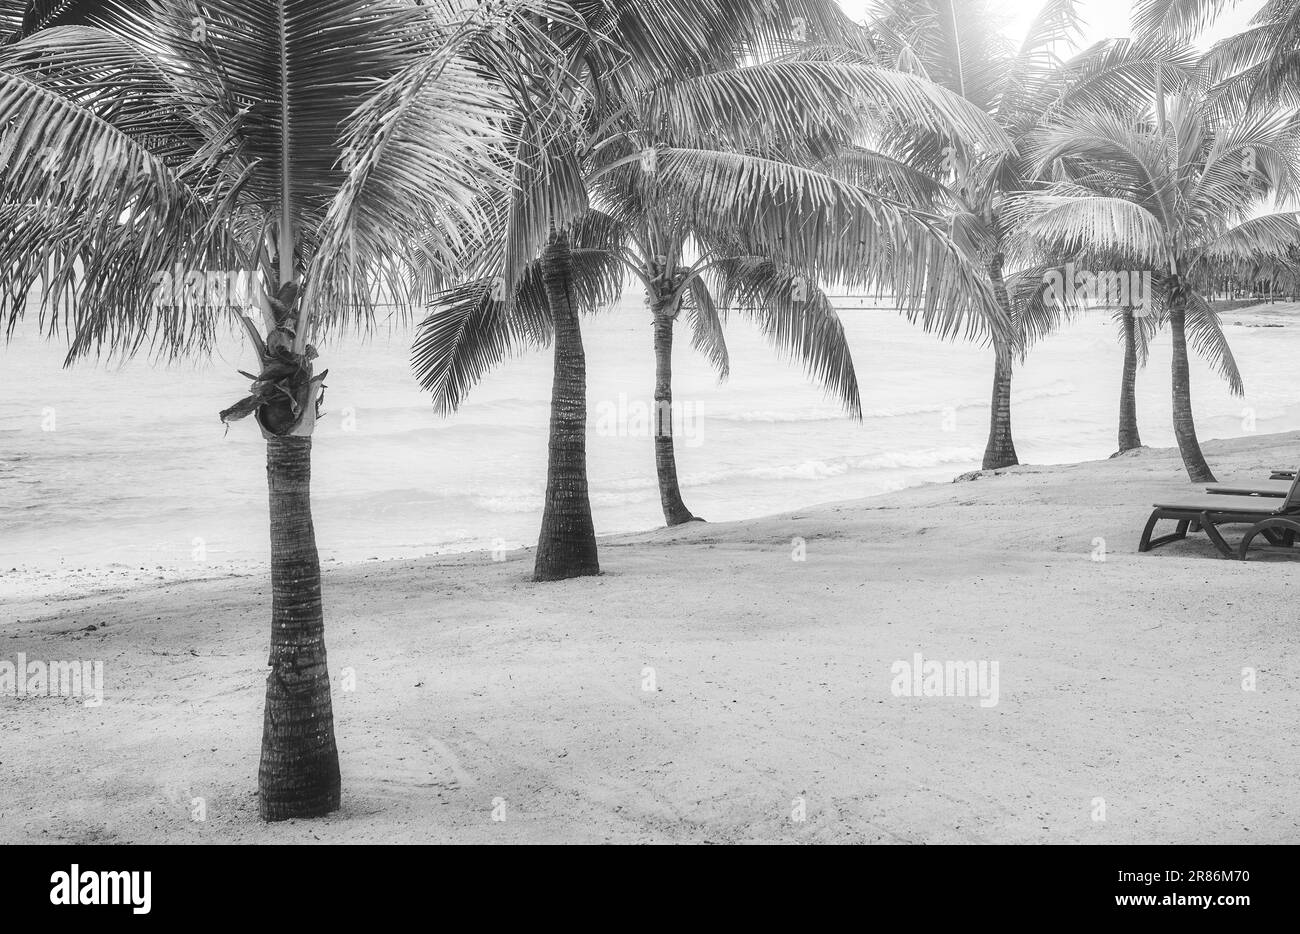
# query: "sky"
1105, 19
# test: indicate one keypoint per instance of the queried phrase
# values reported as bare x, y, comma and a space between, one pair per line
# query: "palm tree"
957, 43
672, 196
684, 268
793, 312
227, 141
1174, 199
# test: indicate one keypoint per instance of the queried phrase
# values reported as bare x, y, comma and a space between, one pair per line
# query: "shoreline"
49, 583
108, 580
793, 462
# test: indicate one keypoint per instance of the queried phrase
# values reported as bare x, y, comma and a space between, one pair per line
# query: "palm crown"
223, 140
694, 186
1179, 204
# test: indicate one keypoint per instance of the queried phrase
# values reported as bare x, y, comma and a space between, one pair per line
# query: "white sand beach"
478, 691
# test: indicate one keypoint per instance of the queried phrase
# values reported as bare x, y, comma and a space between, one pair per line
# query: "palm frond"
839, 234
707, 335
794, 99
469, 333
1088, 226
1206, 338
1035, 312
1260, 248
796, 317
1115, 73
475, 325
1178, 19
879, 172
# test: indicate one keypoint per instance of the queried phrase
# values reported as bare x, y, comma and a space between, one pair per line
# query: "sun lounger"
1276, 518
1251, 487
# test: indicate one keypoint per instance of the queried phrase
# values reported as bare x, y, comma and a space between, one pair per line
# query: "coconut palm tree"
689, 172
159, 146
683, 268
610, 121
707, 285
686, 268
1174, 198
958, 44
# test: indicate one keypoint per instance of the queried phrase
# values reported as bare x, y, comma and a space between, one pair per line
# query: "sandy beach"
477, 693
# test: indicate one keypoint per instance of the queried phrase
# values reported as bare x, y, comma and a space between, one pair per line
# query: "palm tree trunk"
1128, 427
1001, 449
566, 546
670, 494
1184, 428
299, 771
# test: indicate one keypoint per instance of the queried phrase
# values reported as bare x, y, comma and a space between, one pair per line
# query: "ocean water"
126, 465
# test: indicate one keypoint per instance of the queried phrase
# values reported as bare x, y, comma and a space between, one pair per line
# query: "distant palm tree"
798, 113
1174, 199
676, 196
222, 138
806, 114
785, 302
959, 44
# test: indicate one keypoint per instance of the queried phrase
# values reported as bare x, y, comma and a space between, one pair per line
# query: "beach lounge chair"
1276, 518
1251, 487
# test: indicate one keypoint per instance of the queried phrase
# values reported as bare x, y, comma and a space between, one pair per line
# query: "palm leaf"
839, 234
474, 326
1178, 19
796, 317
706, 322
1206, 338
794, 99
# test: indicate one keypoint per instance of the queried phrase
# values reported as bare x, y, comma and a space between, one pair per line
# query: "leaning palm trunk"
1128, 428
566, 546
299, 771
670, 494
1184, 427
